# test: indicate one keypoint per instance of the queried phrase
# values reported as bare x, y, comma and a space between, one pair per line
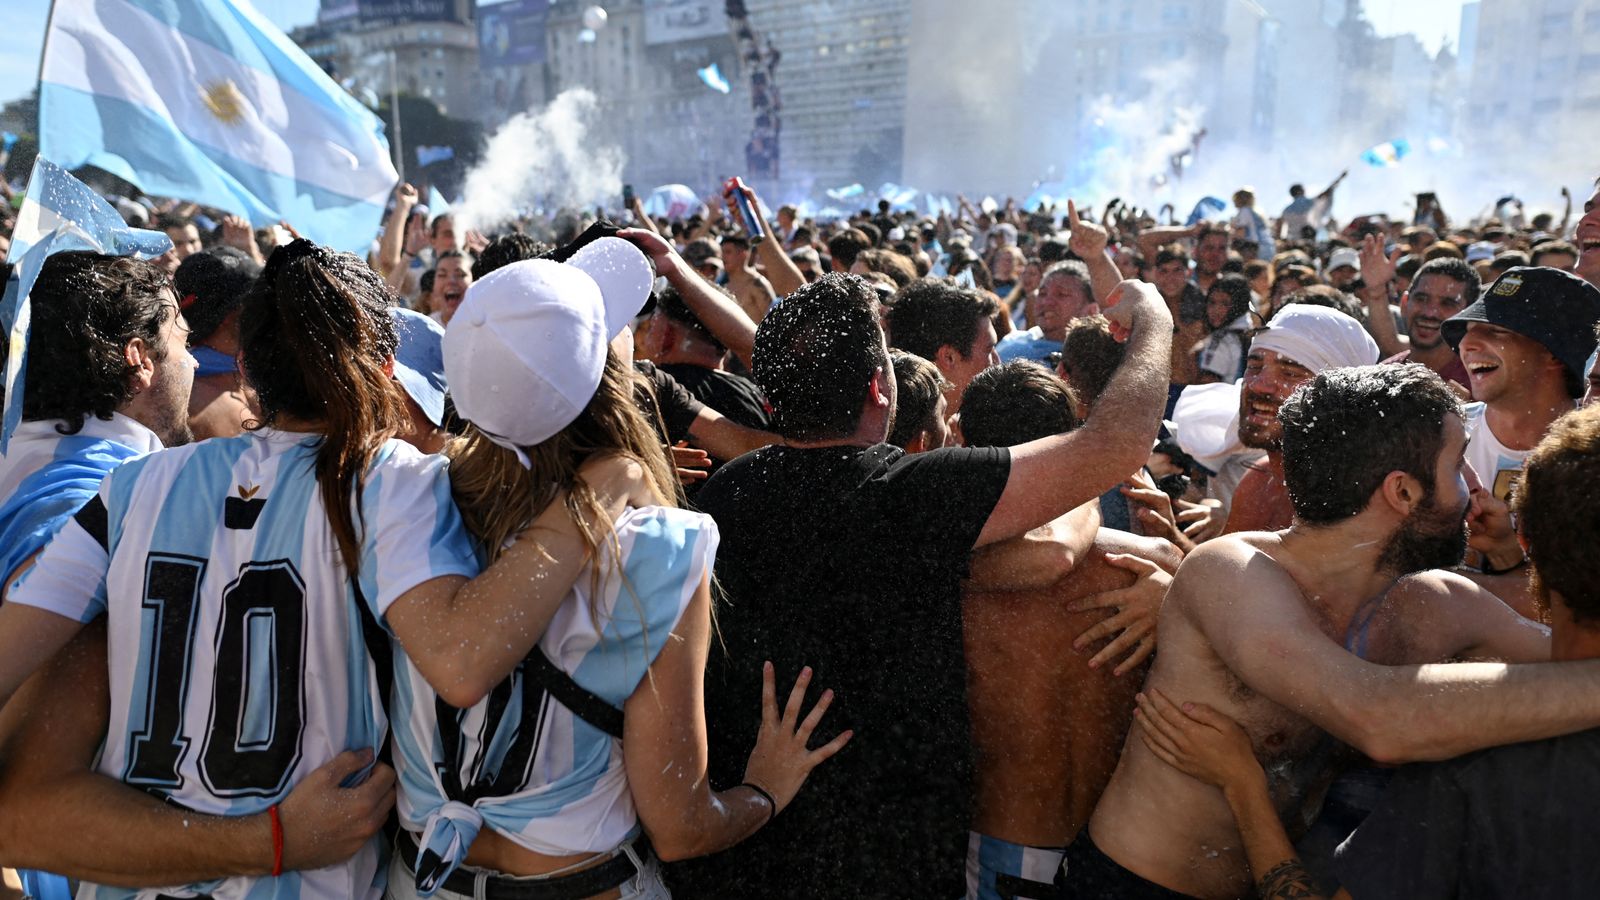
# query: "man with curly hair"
108, 379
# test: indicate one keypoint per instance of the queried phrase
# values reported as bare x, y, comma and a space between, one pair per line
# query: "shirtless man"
1047, 724
1298, 343
749, 287
1311, 637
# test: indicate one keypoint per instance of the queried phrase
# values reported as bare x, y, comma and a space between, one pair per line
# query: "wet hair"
86, 308
1560, 532
211, 286
670, 304
1013, 404
845, 246
505, 250
918, 386
315, 335
1090, 356
815, 355
1457, 270
1346, 429
930, 313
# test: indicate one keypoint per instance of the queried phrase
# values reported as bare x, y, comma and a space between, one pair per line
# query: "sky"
1433, 21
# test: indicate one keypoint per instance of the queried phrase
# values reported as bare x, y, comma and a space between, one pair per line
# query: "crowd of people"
1002, 553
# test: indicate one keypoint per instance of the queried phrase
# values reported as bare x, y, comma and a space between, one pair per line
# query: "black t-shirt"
735, 396
849, 560
1513, 821
678, 407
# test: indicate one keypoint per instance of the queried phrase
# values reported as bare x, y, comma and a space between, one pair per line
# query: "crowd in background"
1000, 552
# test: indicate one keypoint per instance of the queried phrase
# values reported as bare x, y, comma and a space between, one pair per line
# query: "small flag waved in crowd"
59, 213
208, 101
712, 76
1387, 154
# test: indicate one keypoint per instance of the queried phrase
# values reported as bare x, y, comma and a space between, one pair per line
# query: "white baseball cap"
1345, 257
525, 351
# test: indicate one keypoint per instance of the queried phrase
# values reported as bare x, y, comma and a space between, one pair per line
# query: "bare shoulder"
1228, 573
1439, 585
1230, 555
1453, 616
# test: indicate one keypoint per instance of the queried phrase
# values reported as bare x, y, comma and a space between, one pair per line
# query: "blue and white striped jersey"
236, 652
46, 476
533, 771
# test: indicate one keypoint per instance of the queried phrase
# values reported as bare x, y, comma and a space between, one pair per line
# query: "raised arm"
1054, 474
1377, 271
721, 315
783, 275
392, 242
58, 815
1154, 238
1252, 613
1089, 242
466, 636
665, 751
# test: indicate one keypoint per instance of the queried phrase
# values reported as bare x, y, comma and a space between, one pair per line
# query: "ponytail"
316, 335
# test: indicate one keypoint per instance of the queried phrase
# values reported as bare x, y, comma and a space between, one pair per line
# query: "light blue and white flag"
208, 101
713, 77
437, 204
1206, 210
59, 213
1387, 154
427, 155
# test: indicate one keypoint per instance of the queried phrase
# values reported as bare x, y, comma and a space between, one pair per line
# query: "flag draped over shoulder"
59, 213
207, 101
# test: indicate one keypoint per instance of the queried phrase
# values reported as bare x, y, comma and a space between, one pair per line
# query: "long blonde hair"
498, 498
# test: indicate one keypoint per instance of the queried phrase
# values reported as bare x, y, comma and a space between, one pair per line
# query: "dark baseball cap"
1555, 308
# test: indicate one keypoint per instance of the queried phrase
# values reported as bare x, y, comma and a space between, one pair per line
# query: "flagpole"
394, 104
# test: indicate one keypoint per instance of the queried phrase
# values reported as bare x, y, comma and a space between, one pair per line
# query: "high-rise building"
643, 65
425, 48
1535, 79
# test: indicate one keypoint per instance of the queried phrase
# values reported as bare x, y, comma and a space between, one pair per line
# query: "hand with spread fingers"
1137, 609
781, 761
1197, 741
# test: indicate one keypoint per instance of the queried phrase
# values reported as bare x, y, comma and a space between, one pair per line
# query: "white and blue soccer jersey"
1498, 467
237, 653
46, 476
532, 770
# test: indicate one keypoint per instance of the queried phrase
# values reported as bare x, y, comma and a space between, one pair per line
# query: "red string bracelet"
277, 840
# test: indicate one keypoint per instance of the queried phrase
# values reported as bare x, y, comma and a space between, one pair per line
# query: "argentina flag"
58, 213
207, 101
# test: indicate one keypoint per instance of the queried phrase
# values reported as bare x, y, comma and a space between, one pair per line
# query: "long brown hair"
316, 335
498, 497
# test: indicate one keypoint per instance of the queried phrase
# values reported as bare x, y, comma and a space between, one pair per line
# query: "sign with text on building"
512, 34
666, 21
385, 12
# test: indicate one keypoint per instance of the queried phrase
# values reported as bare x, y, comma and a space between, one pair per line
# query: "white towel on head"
1317, 337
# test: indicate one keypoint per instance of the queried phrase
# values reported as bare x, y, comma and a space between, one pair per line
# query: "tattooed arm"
1207, 745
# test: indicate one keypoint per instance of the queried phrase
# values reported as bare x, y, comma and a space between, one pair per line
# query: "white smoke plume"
543, 158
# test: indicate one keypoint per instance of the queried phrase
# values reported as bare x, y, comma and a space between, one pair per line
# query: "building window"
1591, 20
1547, 105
